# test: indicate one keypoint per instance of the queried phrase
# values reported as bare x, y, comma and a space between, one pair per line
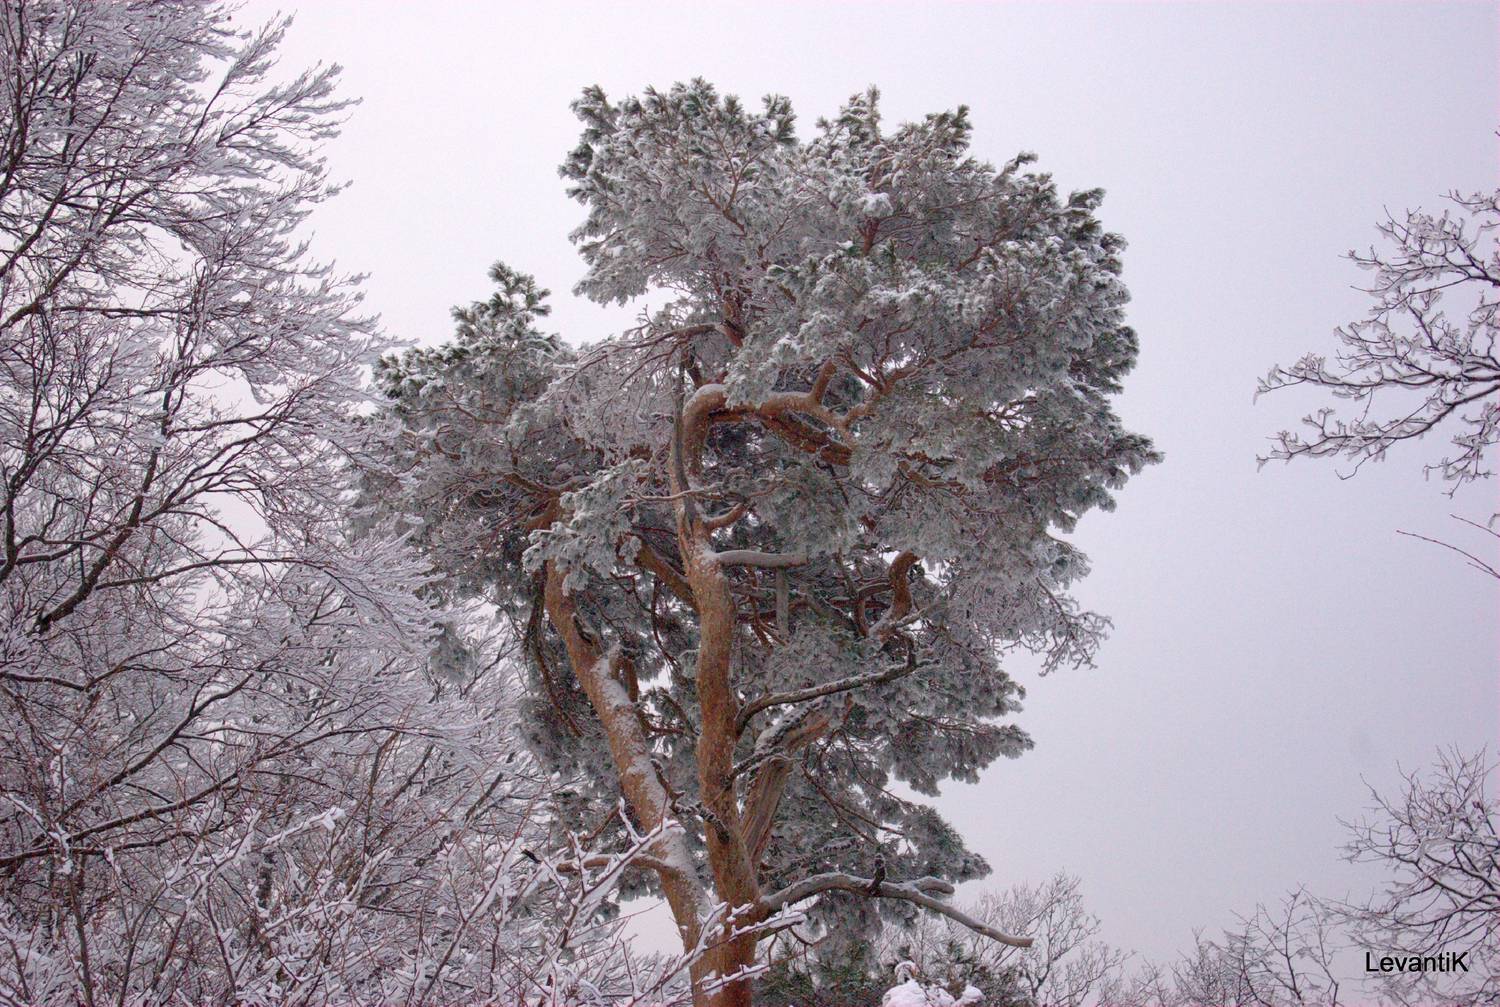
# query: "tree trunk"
734, 874
686, 894
733, 871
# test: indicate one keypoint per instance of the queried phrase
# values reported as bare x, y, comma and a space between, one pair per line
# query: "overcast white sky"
1275, 639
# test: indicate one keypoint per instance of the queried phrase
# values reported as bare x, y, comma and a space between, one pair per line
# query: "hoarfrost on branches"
1065, 966
1439, 838
1437, 841
244, 758
795, 515
1425, 357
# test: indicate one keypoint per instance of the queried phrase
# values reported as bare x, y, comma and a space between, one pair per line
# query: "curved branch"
901, 604
919, 892
828, 689
657, 565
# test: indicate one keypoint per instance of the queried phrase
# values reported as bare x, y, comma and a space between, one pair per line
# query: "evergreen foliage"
767, 548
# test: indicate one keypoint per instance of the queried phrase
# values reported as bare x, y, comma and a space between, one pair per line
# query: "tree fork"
729, 860
631, 752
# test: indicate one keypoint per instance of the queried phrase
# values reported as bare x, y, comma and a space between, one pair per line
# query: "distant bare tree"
1278, 956
1440, 841
1066, 965
1151, 984
1281, 955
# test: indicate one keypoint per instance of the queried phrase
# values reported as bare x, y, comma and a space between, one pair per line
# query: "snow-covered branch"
1435, 367
812, 692
920, 892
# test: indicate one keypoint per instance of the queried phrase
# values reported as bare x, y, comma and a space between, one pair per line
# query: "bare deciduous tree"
1425, 357
1440, 840
1280, 956
1065, 966
231, 769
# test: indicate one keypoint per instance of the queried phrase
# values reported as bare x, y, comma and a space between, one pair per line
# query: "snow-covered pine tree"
767, 547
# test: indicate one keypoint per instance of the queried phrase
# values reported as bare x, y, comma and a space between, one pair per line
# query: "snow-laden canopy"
767, 548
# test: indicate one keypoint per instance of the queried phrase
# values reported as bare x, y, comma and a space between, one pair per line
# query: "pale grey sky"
1275, 638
